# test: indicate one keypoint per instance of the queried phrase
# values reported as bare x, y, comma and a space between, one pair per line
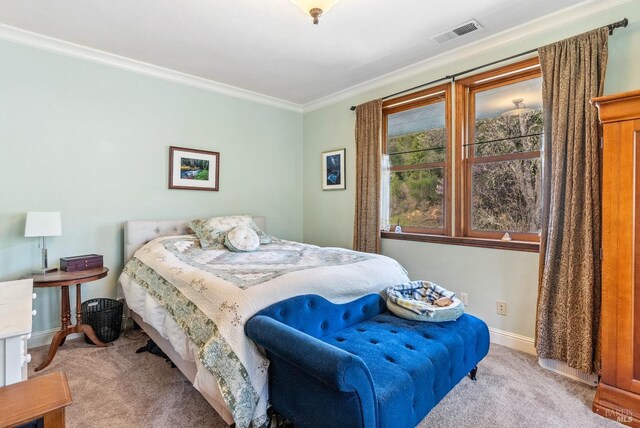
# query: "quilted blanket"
210, 294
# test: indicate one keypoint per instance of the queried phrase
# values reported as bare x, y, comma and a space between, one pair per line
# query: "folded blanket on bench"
418, 300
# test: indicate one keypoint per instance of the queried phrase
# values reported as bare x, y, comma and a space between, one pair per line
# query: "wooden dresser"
618, 394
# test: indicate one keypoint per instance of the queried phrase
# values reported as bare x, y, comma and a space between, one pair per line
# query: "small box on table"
78, 263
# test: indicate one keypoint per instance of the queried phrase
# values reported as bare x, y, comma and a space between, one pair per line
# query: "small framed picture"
333, 174
193, 169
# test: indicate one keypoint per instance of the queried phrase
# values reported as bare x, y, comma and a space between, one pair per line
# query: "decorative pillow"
264, 238
242, 240
211, 232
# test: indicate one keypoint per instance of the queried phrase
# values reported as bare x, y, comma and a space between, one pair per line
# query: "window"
417, 145
496, 160
500, 130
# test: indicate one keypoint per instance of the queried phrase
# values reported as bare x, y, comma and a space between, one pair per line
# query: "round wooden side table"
63, 280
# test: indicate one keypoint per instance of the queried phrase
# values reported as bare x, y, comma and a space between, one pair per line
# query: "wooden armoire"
618, 394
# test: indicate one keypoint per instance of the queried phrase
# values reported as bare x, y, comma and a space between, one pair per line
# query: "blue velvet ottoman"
357, 365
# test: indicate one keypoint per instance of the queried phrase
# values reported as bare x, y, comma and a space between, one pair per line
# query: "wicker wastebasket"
104, 316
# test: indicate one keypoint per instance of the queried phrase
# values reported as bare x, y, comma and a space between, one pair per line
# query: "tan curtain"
568, 312
366, 228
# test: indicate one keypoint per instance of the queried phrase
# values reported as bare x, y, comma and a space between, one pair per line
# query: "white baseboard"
44, 337
512, 340
500, 337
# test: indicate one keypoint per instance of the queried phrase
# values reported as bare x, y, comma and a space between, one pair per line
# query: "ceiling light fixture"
519, 108
315, 8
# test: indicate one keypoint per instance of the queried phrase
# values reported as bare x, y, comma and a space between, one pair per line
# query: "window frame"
465, 121
415, 100
455, 217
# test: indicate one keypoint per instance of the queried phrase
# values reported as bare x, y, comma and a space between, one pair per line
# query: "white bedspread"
209, 295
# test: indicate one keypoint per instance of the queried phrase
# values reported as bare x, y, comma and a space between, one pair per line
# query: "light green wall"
93, 142
486, 275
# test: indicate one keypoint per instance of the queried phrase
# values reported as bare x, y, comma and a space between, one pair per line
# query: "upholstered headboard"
139, 232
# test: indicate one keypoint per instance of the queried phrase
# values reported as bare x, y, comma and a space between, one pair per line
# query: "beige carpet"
115, 387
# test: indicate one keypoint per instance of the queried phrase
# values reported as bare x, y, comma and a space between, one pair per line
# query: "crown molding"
39, 41
544, 24
516, 34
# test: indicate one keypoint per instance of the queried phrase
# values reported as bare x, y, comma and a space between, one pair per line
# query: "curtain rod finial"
620, 24
353, 108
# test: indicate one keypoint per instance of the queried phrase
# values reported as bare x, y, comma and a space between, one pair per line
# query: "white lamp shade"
307, 5
41, 223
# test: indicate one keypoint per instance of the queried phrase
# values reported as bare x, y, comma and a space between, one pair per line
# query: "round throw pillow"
242, 239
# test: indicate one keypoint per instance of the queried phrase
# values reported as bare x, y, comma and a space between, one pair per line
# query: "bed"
193, 303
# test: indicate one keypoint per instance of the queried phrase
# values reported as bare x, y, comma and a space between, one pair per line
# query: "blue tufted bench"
357, 365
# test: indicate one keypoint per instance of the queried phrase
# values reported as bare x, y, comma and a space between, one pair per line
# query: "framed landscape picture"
333, 170
193, 169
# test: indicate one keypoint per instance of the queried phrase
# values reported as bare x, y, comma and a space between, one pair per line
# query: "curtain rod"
619, 24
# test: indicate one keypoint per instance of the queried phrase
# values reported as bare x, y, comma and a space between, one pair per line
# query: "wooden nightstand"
42, 398
63, 280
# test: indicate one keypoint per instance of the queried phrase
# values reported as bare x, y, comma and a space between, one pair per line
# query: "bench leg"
473, 373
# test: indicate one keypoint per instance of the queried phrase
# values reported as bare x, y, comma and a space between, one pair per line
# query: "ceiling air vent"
458, 31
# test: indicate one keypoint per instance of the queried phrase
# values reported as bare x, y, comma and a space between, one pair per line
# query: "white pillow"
211, 232
242, 239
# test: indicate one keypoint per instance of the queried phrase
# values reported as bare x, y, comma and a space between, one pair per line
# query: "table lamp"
43, 224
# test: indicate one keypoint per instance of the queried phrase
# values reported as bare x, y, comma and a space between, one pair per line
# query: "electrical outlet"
464, 298
501, 307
